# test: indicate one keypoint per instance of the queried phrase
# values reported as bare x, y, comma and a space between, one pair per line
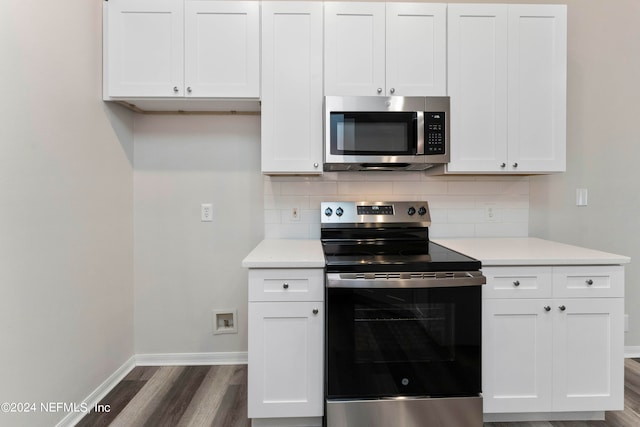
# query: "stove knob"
411, 211
422, 211
328, 211
339, 211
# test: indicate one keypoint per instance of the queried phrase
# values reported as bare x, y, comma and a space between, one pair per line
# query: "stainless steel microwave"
385, 132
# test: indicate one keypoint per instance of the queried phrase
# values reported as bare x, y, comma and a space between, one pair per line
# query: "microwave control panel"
434, 133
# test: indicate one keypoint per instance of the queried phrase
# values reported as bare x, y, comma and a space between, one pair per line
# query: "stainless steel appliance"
403, 331
385, 132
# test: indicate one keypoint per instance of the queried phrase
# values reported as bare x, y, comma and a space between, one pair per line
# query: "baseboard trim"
99, 393
174, 359
631, 351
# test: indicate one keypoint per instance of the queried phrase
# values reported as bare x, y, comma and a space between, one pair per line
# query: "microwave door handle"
420, 135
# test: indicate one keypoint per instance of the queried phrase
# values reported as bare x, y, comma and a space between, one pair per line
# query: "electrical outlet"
206, 212
295, 214
491, 214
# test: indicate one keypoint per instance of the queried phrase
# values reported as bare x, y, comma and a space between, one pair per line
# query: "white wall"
66, 227
185, 268
603, 143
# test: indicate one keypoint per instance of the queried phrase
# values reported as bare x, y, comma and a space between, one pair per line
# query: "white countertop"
529, 251
286, 253
298, 253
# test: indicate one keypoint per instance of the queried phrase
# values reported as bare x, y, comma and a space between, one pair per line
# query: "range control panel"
434, 133
375, 212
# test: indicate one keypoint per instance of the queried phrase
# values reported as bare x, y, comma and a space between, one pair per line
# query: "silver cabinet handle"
547, 308
516, 283
175, 89
562, 308
589, 282
189, 89
315, 165
379, 90
315, 311
285, 285
392, 90
515, 165
503, 165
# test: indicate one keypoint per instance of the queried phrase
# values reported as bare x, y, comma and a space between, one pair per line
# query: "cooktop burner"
385, 236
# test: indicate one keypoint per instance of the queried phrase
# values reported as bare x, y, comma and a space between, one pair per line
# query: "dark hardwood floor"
216, 396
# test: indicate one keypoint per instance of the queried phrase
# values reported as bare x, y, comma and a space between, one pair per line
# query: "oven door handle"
405, 280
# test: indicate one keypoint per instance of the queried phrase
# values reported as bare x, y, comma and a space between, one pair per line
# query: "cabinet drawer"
588, 281
286, 284
517, 282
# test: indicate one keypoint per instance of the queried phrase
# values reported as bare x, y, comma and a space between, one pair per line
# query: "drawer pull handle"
562, 308
547, 308
315, 311
516, 283
285, 285
589, 282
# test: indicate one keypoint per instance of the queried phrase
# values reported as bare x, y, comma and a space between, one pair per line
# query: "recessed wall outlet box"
225, 322
206, 212
581, 196
626, 323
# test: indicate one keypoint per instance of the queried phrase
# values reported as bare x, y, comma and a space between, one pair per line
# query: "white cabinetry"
176, 48
507, 82
385, 49
292, 87
286, 325
553, 339
222, 49
144, 42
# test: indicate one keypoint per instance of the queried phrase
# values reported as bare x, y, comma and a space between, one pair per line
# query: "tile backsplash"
491, 206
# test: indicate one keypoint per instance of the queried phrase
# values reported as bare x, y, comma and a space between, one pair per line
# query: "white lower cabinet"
286, 338
547, 352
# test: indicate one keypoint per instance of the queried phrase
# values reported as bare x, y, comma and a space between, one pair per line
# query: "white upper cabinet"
291, 87
507, 82
177, 48
416, 49
385, 49
478, 86
144, 42
222, 49
537, 87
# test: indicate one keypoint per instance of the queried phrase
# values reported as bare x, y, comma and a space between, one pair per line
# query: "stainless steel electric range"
403, 328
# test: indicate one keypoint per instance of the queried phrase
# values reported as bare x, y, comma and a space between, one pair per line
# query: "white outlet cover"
206, 212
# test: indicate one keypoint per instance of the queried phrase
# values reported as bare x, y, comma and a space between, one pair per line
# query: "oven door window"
403, 342
374, 133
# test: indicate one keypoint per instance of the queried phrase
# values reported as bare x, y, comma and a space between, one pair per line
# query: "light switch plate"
581, 197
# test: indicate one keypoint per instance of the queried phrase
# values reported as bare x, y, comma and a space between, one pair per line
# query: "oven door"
403, 342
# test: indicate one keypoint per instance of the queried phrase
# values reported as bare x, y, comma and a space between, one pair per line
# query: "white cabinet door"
516, 355
354, 48
477, 85
416, 49
222, 49
292, 87
285, 359
144, 48
507, 82
537, 87
588, 342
